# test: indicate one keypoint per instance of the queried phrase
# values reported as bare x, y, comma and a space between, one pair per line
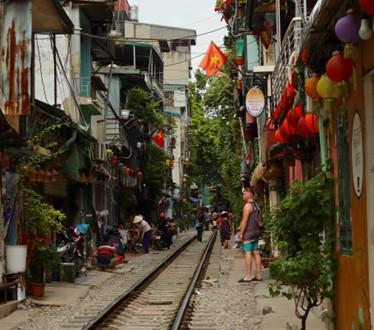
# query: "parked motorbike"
70, 247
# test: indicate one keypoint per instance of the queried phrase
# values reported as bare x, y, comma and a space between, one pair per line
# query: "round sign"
255, 101
357, 155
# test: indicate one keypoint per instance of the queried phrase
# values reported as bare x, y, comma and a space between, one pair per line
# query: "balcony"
287, 56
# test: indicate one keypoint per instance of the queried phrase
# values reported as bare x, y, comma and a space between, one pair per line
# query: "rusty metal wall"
15, 65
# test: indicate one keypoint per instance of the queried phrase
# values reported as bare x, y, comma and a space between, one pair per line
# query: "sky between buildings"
197, 15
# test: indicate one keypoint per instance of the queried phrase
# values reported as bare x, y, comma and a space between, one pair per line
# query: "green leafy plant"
40, 218
44, 258
301, 227
144, 107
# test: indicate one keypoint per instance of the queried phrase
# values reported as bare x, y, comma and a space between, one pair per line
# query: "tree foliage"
300, 228
215, 137
155, 172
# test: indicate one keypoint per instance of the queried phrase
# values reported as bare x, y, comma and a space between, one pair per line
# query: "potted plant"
44, 258
40, 220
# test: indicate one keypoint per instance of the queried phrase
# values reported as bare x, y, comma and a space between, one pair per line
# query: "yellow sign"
255, 101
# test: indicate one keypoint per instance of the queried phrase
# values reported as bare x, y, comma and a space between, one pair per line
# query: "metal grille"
290, 45
344, 185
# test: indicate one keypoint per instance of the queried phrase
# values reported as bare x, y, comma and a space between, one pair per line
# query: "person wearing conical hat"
145, 229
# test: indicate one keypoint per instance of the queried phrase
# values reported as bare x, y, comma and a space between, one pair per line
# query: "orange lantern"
125, 170
339, 68
311, 87
303, 129
287, 130
294, 115
278, 136
311, 120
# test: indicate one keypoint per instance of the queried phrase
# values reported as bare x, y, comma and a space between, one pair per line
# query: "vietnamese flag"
213, 60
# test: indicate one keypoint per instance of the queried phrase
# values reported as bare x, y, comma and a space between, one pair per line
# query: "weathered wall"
352, 286
15, 62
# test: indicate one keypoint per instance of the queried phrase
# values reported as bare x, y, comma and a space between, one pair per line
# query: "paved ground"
222, 303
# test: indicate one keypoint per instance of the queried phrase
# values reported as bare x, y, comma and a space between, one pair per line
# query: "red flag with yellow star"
213, 60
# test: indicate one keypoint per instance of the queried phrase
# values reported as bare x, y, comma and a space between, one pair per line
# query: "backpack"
259, 220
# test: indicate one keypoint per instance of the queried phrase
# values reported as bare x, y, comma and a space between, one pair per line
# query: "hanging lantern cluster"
354, 27
47, 176
86, 177
286, 102
297, 125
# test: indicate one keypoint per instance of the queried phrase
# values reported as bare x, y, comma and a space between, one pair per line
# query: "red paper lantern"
131, 172
279, 137
305, 56
367, 6
302, 128
287, 130
115, 161
140, 176
270, 130
283, 102
311, 87
311, 120
339, 68
294, 115
291, 93
276, 113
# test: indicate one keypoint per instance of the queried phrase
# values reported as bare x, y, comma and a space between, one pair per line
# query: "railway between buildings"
160, 299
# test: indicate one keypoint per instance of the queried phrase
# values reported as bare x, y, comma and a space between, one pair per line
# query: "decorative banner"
255, 101
357, 155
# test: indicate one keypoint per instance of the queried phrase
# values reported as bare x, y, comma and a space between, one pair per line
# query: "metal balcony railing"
288, 53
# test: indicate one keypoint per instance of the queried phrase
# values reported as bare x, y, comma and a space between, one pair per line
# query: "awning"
48, 16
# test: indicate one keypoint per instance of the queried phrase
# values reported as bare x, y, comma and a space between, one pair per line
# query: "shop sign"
255, 101
357, 155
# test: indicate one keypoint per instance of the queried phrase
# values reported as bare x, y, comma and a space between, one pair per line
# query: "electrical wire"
93, 36
69, 84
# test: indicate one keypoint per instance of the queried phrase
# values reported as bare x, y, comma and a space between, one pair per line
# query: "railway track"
159, 300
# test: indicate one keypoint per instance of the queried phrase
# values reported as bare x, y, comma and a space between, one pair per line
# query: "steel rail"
103, 315
184, 304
